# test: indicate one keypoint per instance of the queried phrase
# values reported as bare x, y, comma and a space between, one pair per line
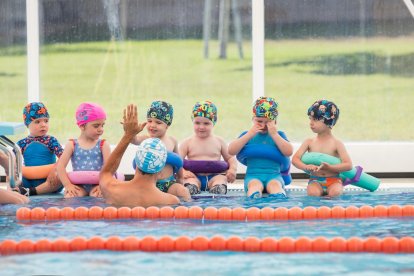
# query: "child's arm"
61, 170
236, 146
346, 163
296, 159
57, 149
179, 176
138, 139
183, 151
284, 146
230, 159
183, 148
106, 151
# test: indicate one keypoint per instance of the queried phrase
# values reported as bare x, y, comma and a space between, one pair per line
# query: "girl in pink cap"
87, 153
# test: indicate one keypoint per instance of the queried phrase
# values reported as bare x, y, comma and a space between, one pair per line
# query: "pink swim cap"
88, 112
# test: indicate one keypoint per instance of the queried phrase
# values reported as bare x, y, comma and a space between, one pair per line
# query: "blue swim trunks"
204, 179
164, 184
264, 178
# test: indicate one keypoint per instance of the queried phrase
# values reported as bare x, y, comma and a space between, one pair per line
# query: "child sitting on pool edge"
159, 118
324, 179
203, 145
88, 152
39, 149
263, 174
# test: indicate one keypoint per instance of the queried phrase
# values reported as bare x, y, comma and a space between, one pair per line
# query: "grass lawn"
371, 80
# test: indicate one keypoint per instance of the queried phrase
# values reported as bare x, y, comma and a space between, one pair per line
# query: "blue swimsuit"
39, 151
87, 160
263, 169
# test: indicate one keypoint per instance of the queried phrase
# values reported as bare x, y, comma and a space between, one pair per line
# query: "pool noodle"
366, 181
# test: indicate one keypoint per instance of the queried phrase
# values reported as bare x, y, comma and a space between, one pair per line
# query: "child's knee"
335, 190
314, 189
255, 185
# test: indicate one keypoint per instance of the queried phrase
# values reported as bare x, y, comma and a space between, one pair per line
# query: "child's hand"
231, 176
254, 130
325, 167
96, 192
271, 127
311, 168
72, 190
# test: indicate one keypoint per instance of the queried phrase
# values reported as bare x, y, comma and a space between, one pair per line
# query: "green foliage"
370, 80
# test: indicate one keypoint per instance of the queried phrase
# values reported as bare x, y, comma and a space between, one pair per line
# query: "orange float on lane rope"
181, 212
218, 243
224, 213
195, 212
78, 244
81, 213
38, 213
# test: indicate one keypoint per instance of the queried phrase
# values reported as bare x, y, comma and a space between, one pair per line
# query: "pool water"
207, 263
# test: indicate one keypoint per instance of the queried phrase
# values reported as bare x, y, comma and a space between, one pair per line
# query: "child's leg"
9, 197
193, 185
179, 190
49, 186
275, 187
335, 189
314, 189
254, 188
218, 184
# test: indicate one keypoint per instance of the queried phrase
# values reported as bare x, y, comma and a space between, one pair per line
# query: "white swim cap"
151, 155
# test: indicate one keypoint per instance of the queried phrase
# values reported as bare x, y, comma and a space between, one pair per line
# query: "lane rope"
216, 243
213, 213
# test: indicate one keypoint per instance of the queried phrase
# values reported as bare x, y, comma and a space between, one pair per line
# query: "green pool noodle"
366, 181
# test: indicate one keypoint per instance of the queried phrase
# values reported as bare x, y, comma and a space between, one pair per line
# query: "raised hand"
130, 121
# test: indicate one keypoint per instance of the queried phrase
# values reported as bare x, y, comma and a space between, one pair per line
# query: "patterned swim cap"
151, 156
88, 112
33, 111
162, 111
326, 110
265, 107
205, 109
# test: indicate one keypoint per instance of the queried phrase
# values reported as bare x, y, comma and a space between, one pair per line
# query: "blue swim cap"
326, 111
33, 111
162, 111
151, 155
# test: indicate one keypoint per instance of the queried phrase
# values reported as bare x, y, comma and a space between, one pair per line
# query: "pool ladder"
12, 151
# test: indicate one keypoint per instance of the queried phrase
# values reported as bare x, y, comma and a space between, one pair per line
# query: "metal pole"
224, 27
410, 6
258, 48
237, 27
206, 26
33, 75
